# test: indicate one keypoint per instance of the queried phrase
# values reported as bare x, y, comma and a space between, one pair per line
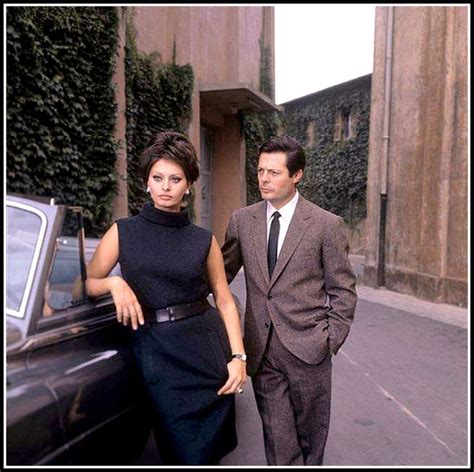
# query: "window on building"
345, 126
338, 127
310, 134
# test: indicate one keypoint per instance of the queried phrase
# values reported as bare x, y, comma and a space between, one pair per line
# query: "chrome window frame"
39, 244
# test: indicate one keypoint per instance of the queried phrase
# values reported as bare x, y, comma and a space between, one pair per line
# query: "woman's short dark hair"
295, 155
174, 147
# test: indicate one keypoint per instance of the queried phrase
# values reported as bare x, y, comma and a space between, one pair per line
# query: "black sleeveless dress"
184, 362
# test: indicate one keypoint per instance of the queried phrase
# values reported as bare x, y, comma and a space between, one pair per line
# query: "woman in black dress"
191, 355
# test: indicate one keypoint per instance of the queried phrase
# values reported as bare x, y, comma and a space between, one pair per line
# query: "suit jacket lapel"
260, 238
298, 226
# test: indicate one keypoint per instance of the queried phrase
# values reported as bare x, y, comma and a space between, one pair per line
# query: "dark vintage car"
73, 393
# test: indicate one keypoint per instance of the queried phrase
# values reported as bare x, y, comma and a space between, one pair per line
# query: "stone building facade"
223, 46
417, 177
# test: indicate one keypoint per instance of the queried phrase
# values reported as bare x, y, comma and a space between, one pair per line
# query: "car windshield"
23, 233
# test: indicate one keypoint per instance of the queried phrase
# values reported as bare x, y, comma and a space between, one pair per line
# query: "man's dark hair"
174, 147
295, 155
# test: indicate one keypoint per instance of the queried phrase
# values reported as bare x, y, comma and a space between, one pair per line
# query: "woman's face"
168, 184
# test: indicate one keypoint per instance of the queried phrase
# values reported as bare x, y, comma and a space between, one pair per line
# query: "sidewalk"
443, 312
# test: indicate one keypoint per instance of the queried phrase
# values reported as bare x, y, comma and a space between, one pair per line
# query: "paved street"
399, 388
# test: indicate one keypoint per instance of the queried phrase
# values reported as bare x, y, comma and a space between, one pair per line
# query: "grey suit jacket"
311, 296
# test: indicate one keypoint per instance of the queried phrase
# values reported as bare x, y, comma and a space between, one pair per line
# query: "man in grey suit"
301, 300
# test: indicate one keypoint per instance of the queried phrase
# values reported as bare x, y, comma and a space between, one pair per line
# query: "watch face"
242, 357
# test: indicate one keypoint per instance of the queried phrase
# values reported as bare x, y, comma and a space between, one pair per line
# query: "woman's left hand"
237, 377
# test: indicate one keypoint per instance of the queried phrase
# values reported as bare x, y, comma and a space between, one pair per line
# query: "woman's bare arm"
228, 311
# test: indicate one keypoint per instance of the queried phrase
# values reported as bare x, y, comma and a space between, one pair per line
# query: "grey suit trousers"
294, 400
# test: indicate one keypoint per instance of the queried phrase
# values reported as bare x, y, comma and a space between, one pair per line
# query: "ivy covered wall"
335, 177
61, 107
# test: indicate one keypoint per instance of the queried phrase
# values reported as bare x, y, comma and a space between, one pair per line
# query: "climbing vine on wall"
61, 107
158, 99
257, 127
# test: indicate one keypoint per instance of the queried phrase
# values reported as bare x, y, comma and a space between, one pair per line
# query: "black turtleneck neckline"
165, 218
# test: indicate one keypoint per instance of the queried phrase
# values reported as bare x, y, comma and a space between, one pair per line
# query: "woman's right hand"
126, 302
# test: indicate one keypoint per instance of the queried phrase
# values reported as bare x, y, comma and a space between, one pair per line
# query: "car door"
86, 358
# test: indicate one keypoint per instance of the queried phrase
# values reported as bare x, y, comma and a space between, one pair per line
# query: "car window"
25, 230
64, 288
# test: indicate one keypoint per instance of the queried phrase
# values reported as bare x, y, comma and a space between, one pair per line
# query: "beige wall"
221, 43
426, 231
120, 205
222, 46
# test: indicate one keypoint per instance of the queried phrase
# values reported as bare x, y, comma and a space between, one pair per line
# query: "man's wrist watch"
240, 356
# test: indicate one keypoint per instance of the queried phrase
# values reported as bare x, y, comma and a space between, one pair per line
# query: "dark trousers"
293, 399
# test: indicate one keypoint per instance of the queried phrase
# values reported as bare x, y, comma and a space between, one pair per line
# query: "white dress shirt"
286, 211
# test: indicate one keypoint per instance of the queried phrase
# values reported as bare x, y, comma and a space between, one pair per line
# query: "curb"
443, 312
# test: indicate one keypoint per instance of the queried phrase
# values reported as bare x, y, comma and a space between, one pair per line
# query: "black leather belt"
176, 312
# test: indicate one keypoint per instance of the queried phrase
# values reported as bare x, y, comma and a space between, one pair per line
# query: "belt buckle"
170, 311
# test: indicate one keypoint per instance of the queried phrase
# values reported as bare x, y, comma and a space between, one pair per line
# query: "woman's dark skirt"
184, 364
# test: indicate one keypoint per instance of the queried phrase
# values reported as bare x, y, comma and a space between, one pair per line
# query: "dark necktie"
273, 242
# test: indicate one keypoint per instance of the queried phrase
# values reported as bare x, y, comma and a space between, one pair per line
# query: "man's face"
274, 179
